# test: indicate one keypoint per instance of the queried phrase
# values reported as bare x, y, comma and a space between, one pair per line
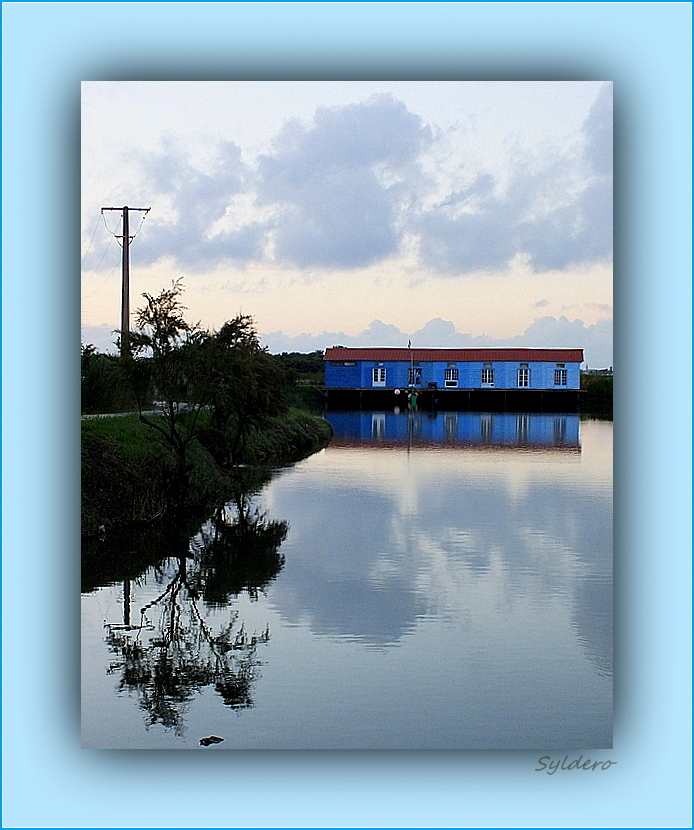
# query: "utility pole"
125, 288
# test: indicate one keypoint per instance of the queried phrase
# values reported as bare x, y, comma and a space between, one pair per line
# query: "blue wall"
359, 375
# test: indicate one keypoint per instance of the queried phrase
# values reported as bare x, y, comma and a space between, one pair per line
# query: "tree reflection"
239, 554
175, 651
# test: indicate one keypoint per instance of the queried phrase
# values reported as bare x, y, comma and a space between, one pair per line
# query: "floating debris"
213, 739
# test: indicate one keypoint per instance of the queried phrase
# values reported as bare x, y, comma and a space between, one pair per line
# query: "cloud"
339, 184
540, 303
598, 132
330, 194
474, 242
348, 190
544, 332
604, 308
552, 332
198, 202
555, 210
439, 332
382, 334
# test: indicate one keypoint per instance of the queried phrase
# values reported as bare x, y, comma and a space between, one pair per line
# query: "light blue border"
48, 48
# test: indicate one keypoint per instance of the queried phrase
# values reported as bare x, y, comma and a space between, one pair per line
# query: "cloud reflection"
386, 539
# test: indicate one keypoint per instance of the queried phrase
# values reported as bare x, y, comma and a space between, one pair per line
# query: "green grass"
128, 470
126, 432
286, 438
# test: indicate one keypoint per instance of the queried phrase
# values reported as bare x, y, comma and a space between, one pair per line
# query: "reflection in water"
173, 653
237, 555
426, 429
446, 583
174, 650
490, 569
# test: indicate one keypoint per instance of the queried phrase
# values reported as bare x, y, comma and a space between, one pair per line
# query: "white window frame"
378, 376
450, 376
524, 377
487, 376
560, 377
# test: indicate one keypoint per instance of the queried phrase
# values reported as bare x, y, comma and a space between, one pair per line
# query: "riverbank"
128, 474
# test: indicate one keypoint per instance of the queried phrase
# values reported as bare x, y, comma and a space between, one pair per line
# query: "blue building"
441, 375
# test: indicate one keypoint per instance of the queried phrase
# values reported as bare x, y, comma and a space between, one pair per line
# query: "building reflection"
550, 431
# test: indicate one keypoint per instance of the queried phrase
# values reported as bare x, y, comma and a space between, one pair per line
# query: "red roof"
462, 355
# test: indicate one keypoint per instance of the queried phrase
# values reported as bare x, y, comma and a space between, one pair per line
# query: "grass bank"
128, 473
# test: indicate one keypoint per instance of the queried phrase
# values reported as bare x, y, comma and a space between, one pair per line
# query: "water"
439, 582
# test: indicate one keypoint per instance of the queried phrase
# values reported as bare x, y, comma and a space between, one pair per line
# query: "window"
378, 376
560, 377
415, 376
450, 376
524, 376
487, 375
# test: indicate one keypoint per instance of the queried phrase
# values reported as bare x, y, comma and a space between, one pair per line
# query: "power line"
110, 241
103, 283
90, 241
113, 233
142, 222
106, 224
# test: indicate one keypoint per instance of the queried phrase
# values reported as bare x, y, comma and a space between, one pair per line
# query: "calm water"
424, 582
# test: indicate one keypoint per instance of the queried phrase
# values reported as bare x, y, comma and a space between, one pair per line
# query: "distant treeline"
596, 395
305, 368
106, 387
105, 384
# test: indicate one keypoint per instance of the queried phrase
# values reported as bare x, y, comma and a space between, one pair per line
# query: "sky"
356, 213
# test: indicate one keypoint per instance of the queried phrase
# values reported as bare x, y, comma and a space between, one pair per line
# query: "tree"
306, 368
243, 384
164, 353
104, 386
226, 372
